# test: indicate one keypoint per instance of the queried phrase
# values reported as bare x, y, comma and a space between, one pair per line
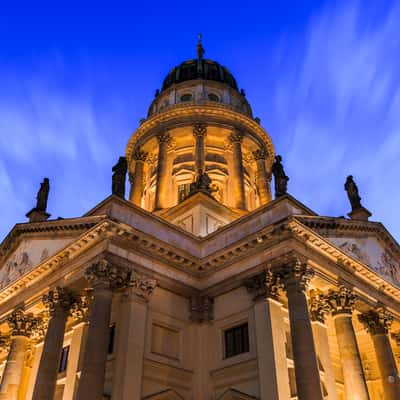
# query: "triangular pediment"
368, 242
31, 244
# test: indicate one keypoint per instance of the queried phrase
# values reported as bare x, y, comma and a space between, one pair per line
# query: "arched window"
187, 97
213, 97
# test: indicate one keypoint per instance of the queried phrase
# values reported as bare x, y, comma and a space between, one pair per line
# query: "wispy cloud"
342, 96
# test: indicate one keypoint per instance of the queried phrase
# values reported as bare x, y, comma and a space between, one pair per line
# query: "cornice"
328, 226
65, 226
210, 113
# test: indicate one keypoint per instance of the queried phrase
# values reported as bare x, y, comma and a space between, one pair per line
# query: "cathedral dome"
199, 69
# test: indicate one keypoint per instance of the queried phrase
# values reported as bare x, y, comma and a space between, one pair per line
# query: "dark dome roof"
199, 69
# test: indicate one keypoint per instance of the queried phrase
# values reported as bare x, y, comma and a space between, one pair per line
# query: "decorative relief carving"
296, 274
236, 137
260, 154
80, 307
164, 137
142, 286
5, 341
201, 309
319, 306
140, 155
22, 324
388, 267
200, 129
355, 251
59, 299
376, 322
16, 267
341, 301
103, 273
264, 285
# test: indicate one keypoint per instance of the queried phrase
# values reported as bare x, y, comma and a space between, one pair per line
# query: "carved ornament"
199, 129
260, 154
236, 137
22, 324
319, 306
140, 155
103, 273
264, 285
376, 322
142, 286
164, 137
296, 274
341, 301
59, 299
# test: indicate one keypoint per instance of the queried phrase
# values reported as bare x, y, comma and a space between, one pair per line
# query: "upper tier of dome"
199, 69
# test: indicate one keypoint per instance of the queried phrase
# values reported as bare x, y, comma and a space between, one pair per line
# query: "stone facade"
218, 295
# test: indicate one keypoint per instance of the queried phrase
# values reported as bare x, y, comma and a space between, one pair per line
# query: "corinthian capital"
376, 322
199, 129
103, 273
341, 301
319, 307
142, 286
264, 285
140, 155
296, 274
22, 324
260, 154
236, 137
164, 137
59, 299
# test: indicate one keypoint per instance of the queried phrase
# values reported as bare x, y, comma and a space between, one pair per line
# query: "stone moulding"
214, 111
290, 228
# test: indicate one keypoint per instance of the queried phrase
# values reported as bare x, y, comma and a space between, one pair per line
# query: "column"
296, 276
378, 324
137, 178
318, 309
104, 279
201, 316
341, 304
162, 194
263, 183
59, 302
131, 337
35, 367
237, 171
21, 328
270, 337
74, 356
199, 132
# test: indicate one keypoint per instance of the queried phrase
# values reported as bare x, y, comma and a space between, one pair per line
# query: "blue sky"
323, 76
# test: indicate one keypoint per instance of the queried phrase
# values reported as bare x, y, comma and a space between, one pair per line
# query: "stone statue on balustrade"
201, 184
280, 178
39, 213
119, 177
352, 193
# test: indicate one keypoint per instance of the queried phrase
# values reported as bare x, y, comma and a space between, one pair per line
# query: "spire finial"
200, 48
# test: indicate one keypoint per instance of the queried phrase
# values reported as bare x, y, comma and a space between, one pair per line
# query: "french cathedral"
207, 280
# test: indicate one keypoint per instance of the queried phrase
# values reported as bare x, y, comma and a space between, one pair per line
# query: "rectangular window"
111, 339
236, 340
183, 191
64, 359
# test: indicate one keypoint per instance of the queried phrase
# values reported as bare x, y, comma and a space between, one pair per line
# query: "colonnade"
61, 302
307, 327
199, 133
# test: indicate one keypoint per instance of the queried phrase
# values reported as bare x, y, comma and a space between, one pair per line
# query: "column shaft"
35, 367
354, 380
322, 345
71, 382
271, 351
237, 172
137, 183
91, 384
305, 357
14, 368
161, 200
262, 177
387, 366
127, 382
49, 363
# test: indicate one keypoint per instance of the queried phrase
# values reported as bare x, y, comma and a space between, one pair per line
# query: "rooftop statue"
118, 178
352, 192
280, 177
202, 182
43, 195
